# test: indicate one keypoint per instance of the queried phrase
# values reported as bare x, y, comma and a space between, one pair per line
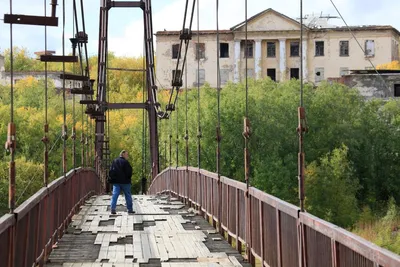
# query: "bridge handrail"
280, 235
28, 235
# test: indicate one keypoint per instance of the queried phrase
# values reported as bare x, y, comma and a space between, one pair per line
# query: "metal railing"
28, 235
275, 232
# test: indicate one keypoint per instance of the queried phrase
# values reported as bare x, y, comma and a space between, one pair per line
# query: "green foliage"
384, 231
29, 179
331, 188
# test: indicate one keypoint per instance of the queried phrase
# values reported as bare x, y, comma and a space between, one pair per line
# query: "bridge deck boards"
162, 233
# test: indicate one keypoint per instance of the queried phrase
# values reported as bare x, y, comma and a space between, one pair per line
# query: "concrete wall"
371, 85
332, 62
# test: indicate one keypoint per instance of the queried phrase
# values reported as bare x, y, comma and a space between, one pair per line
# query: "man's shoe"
113, 212
131, 212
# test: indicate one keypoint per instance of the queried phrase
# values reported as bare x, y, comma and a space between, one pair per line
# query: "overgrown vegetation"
352, 148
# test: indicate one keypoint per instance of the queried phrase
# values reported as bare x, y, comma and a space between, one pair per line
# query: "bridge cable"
64, 127
185, 37
301, 129
73, 98
45, 138
106, 144
82, 138
11, 140
143, 178
170, 152
186, 132
218, 128
177, 134
359, 44
199, 133
246, 134
85, 43
87, 142
76, 35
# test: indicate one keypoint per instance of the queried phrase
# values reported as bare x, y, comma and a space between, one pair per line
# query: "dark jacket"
124, 171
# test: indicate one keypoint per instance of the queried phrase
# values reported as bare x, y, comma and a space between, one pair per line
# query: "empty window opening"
175, 50
272, 74
294, 73
200, 51
319, 48
248, 51
294, 49
224, 50
344, 48
271, 49
369, 48
397, 90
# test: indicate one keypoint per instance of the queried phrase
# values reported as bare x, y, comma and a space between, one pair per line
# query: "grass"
384, 232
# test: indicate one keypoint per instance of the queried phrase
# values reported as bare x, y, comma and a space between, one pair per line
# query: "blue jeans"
126, 188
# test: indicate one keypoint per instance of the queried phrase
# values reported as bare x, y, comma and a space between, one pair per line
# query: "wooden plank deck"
162, 233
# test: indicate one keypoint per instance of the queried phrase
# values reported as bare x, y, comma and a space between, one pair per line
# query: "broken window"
319, 48
294, 49
369, 48
248, 52
175, 50
271, 49
176, 80
294, 73
224, 50
200, 77
272, 74
344, 48
224, 76
200, 51
319, 74
397, 90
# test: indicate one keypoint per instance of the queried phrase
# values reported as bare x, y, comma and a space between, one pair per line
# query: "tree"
394, 65
331, 188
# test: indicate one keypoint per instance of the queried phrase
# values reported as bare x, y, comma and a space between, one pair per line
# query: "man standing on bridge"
120, 176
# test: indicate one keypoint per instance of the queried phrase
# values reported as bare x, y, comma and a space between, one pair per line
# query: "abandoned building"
372, 83
54, 76
273, 50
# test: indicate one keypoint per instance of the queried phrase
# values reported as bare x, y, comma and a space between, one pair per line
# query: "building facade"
273, 50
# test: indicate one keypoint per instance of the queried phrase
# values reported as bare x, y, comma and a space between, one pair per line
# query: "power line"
359, 44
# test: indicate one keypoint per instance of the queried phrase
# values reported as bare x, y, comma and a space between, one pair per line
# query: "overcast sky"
126, 25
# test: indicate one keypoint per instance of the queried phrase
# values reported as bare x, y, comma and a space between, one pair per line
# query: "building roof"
361, 28
201, 32
330, 27
262, 13
375, 72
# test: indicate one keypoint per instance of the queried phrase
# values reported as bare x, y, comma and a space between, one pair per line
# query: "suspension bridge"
189, 216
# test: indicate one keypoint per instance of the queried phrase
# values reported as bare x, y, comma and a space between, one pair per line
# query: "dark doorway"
294, 73
272, 74
397, 90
